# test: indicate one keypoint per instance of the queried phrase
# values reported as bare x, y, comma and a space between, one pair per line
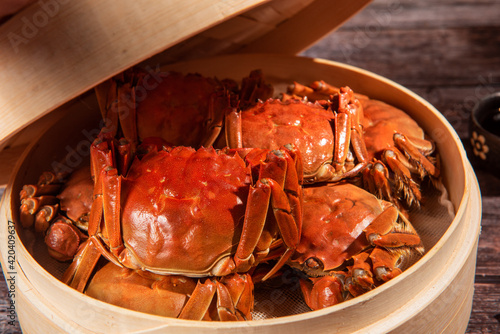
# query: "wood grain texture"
448, 52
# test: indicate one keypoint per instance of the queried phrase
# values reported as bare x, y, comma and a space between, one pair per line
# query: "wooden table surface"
448, 52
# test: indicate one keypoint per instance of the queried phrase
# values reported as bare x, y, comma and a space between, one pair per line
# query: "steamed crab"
58, 211
350, 243
173, 295
328, 135
397, 144
185, 110
398, 151
190, 212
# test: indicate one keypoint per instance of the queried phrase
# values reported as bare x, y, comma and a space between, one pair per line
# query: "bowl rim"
483, 105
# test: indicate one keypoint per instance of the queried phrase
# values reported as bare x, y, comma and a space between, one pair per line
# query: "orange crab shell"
334, 219
305, 125
182, 109
122, 287
177, 103
76, 196
381, 122
183, 209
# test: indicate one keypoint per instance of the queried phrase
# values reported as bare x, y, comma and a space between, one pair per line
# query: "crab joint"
313, 263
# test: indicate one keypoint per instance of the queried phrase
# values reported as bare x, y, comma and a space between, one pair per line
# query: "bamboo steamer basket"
432, 296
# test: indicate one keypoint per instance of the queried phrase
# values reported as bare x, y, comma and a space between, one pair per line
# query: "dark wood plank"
471, 56
488, 259
485, 311
425, 14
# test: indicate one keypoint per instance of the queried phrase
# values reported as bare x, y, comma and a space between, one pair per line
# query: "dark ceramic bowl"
484, 133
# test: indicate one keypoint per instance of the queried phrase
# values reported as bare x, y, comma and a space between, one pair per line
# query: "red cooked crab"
328, 135
399, 152
185, 110
191, 212
350, 243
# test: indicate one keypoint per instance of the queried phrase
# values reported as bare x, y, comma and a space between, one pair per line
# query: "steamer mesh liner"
281, 296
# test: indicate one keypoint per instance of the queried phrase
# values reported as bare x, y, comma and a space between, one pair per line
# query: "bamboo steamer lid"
55, 50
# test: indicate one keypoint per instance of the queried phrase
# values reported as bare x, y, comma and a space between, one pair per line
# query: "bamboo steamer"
432, 296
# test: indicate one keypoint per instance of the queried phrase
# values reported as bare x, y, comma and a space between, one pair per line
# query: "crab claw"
63, 239
321, 292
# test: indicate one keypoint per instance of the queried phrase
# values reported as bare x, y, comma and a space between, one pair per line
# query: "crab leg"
106, 94
376, 180
96, 210
234, 137
44, 216
31, 205
348, 133
111, 209
289, 228
293, 185
254, 88
200, 301
255, 219
78, 273
31, 190
106, 205
297, 89
409, 146
342, 140
381, 231
361, 271
107, 191
265, 191
216, 112
124, 156
395, 160
384, 263
234, 297
101, 155
127, 113
117, 101
240, 288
